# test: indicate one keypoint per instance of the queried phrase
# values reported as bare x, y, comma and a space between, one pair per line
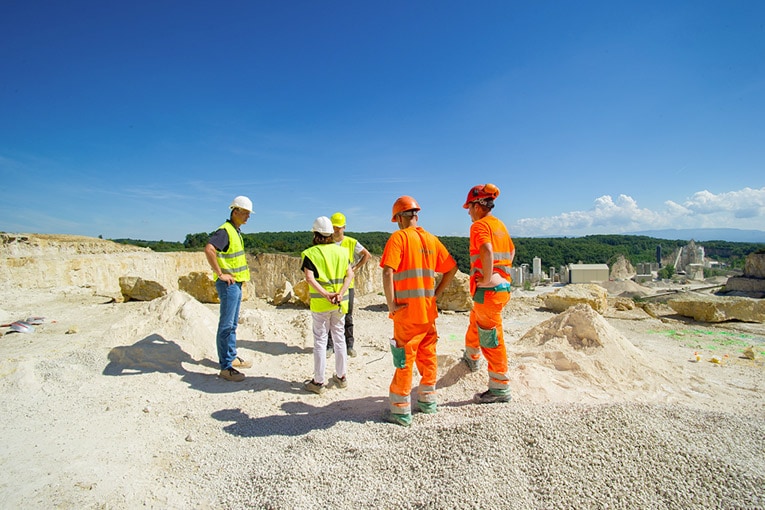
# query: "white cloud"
747, 199
743, 209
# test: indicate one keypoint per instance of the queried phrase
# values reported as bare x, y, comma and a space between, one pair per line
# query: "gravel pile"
517, 455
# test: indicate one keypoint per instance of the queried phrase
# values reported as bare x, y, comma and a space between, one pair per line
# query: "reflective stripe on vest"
233, 261
417, 282
416, 276
502, 263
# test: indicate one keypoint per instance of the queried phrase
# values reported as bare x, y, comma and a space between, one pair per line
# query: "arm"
390, 296
486, 254
365, 255
445, 280
311, 279
488, 277
346, 284
211, 255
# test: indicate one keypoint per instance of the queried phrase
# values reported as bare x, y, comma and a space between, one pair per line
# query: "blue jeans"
230, 299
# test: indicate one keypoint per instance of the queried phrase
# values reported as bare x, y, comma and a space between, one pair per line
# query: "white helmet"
241, 202
323, 226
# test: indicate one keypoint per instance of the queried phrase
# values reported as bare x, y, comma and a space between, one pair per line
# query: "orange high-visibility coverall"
415, 256
488, 315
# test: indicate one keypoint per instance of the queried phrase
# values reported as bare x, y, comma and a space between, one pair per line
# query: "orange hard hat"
481, 192
404, 203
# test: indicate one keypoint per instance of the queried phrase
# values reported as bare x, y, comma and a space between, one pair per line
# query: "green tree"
666, 272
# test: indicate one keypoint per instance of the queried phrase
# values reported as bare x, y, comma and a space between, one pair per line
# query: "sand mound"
172, 329
578, 354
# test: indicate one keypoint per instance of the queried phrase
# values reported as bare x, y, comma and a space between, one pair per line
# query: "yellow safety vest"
331, 263
349, 244
233, 261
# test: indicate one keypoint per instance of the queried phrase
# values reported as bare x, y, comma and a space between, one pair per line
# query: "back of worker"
410, 261
327, 270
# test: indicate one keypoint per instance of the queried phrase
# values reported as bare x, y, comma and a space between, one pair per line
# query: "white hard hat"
323, 226
241, 202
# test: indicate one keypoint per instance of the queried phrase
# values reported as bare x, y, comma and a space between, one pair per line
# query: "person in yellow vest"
359, 256
491, 257
327, 269
225, 254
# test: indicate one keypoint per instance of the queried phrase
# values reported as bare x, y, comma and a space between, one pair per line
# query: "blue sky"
144, 119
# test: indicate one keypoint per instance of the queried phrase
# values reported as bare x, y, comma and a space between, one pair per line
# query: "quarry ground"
118, 405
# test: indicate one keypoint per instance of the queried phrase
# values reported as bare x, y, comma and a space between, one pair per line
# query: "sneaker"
470, 362
490, 397
231, 374
330, 352
341, 382
427, 407
405, 420
313, 387
352, 352
240, 363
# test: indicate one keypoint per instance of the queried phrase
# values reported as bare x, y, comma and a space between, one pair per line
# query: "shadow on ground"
302, 418
154, 353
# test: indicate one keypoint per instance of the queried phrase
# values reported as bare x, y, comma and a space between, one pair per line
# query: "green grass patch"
712, 340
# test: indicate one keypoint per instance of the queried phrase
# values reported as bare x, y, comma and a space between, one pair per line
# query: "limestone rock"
574, 294
754, 266
744, 286
138, 289
719, 308
200, 285
86, 262
622, 269
752, 284
284, 294
456, 296
301, 290
623, 304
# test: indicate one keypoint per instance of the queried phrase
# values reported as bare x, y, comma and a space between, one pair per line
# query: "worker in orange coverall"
491, 257
410, 261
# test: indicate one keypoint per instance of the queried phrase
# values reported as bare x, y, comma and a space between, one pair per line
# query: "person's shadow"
273, 348
151, 354
154, 353
302, 418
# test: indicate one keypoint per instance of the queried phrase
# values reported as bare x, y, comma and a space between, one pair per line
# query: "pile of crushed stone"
578, 354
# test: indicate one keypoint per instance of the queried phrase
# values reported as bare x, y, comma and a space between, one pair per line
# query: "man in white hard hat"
359, 256
225, 254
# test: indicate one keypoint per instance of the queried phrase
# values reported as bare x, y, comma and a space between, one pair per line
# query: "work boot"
405, 420
351, 352
231, 374
491, 397
340, 382
314, 387
470, 362
427, 407
240, 363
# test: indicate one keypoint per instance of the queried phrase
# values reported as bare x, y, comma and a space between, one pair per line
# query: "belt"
480, 292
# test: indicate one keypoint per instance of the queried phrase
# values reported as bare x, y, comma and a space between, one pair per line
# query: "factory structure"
688, 260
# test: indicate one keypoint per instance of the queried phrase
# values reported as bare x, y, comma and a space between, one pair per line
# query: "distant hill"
733, 235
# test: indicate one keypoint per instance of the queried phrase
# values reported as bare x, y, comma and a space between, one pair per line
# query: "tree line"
553, 251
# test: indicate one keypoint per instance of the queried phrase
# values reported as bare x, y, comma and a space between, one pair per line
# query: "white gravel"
516, 455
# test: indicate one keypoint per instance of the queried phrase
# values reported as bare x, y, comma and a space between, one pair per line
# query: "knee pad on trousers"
399, 355
488, 337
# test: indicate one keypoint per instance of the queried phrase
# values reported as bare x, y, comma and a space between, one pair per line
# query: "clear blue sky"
144, 119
